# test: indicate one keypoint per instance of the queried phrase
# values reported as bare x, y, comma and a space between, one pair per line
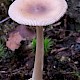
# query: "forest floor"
62, 62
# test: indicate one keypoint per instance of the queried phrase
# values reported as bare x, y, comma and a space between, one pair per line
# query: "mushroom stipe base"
39, 57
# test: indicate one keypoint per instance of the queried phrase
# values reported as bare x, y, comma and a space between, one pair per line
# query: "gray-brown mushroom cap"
37, 12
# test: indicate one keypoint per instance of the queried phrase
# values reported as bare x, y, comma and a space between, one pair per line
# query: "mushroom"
37, 13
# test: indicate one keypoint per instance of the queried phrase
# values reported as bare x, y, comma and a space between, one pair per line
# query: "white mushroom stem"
38, 66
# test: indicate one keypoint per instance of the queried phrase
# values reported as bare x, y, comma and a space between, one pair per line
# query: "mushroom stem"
38, 66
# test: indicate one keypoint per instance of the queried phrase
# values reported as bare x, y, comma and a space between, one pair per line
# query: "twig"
64, 72
4, 20
59, 50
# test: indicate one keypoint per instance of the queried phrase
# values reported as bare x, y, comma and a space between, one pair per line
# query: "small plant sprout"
37, 13
33, 44
2, 50
47, 45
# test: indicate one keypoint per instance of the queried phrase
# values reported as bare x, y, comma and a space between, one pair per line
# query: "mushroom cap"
37, 12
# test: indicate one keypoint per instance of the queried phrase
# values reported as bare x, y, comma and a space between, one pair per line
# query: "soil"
74, 9
61, 62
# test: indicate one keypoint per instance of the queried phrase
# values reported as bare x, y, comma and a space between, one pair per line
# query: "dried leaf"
14, 41
25, 32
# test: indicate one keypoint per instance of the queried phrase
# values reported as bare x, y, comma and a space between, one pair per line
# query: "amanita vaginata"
37, 13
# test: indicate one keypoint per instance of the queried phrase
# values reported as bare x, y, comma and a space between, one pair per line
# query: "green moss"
47, 45
2, 50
